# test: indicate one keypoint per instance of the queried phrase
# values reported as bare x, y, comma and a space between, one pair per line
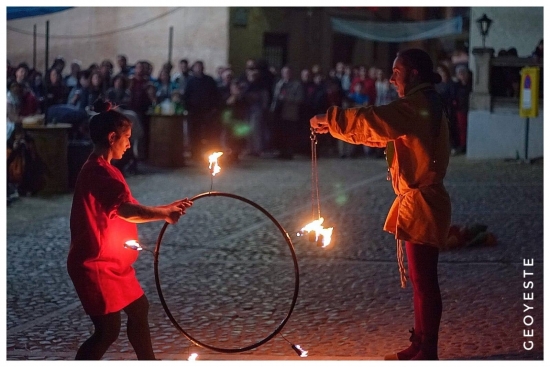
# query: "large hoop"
296, 277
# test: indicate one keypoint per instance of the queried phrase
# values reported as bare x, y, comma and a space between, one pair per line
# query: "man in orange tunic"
414, 130
103, 217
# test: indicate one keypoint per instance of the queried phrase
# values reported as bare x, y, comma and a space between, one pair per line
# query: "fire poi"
323, 236
314, 230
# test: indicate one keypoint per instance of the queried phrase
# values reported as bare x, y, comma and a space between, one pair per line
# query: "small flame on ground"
213, 160
192, 357
133, 245
301, 352
323, 234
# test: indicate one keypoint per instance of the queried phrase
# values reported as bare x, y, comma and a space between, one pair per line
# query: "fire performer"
103, 217
414, 130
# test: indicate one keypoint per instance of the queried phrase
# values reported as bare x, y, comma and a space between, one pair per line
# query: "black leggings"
107, 328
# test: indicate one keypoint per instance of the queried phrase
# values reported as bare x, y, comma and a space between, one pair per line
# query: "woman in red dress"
103, 217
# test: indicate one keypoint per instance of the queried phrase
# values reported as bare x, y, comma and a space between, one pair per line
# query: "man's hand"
319, 124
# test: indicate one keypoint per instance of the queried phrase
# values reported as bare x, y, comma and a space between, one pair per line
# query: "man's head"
184, 65
286, 73
411, 68
84, 78
121, 61
198, 68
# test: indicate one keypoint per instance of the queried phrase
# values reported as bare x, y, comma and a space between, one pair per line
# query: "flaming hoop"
288, 241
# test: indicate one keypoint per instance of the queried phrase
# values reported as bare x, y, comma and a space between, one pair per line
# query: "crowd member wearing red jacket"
103, 217
415, 130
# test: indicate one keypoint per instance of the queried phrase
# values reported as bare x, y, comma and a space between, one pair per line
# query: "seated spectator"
21, 102
22, 73
118, 94
38, 87
25, 170
152, 100
80, 95
106, 71
96, 87
56, 92
71, 80
164, 86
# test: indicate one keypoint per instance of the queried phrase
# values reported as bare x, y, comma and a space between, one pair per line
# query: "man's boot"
428, 348
410, 352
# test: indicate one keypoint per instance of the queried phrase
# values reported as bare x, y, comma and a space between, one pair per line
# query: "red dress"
98, 263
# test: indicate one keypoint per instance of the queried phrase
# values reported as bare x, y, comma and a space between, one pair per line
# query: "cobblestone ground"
228, 278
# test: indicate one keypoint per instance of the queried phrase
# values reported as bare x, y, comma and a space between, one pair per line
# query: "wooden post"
170, 39
34, 47
46, 61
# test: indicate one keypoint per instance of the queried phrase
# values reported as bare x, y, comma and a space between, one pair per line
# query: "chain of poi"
314, 178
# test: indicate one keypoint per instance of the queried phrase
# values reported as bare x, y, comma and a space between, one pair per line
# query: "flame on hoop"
133, 245
299, 350
213, 163
321, 234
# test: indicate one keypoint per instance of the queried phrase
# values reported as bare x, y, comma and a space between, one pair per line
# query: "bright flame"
213, 160
192, 357
133, 245
300, 351
321, 233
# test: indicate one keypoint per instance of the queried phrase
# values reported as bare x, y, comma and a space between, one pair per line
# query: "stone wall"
519, 27
92, 34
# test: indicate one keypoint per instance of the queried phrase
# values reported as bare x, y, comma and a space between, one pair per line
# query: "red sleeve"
109, 191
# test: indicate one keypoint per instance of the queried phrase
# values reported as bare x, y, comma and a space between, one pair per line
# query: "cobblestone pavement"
228, 278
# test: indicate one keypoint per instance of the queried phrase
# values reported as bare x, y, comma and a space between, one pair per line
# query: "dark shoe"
428, 349
409, 353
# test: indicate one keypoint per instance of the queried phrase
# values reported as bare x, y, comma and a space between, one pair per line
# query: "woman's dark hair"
106, 121
84, 74
419, 60
123, 79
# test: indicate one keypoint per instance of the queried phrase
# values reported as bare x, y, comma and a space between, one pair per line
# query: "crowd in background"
261, 112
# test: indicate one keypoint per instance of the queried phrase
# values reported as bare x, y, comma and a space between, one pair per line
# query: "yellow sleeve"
374, 125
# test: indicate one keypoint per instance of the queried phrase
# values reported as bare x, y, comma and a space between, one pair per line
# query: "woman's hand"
176, 209
319, 124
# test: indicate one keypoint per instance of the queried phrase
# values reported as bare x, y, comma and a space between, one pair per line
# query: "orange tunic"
98, 263
421, 213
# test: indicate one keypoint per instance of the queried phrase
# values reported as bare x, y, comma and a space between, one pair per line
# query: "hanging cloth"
398, 31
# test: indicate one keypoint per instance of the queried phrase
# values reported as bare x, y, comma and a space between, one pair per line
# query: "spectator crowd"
261, 112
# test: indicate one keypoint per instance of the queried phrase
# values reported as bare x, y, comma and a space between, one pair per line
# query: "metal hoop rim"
296, 277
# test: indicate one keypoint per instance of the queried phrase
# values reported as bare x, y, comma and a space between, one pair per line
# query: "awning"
16, 12
398, 31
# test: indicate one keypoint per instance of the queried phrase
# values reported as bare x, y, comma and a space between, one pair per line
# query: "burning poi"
314, 230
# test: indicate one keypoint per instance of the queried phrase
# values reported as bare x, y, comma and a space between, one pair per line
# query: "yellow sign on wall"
529, 92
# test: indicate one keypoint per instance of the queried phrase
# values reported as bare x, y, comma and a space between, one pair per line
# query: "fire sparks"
317, 233
213, 163
133, 245
192, 357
